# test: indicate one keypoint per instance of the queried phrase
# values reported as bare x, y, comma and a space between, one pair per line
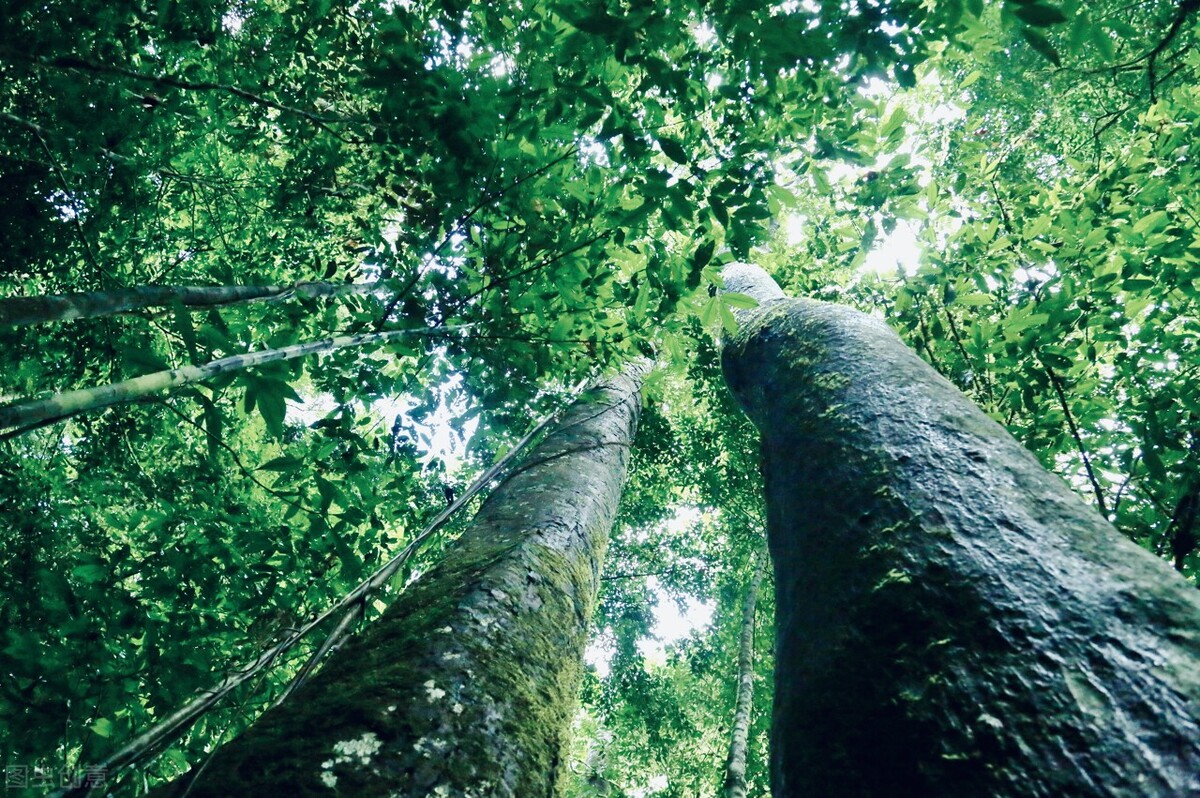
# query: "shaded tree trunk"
952, 620
467, 684
735, 763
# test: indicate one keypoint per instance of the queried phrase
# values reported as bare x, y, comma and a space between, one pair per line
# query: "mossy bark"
467, 684
952, 620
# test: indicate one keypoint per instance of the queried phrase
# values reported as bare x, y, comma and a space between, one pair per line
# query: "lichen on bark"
466, 685
952, 620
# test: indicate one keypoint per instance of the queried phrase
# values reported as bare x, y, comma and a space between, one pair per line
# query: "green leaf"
143, 360
895, 122
1138, 283
1103, 42
1154, 463
273, 409
212, 429
1042, 45
1151, 221
90, 574
720, 213
599, 24
740, 301
187, 331
674, 150
643, 299
1040, 16
1021, 324
103, 727
728, 320
284, 463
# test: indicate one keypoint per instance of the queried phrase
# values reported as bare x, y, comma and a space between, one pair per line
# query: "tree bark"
952, 620
17, 311
24, 416
735, 764
467, 684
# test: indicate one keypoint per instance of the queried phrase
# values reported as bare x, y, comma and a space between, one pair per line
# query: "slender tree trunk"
735, 764
467, 684
952, 620
22, 310
24, 416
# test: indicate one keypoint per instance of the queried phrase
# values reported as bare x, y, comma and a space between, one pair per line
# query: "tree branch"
82, 65
1056, 383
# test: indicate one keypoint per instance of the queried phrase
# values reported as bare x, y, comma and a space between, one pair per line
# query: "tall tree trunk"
735, 764
952, 620
17, 311
24, 416
467, 684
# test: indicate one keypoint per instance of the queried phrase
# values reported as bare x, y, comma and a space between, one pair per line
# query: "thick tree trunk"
735, 764
466, 685
952, 620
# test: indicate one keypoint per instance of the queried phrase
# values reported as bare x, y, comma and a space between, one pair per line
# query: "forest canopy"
281, 280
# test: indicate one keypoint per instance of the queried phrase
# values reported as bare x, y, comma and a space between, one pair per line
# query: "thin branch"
332, 640
74, 214
18, 311
925, 339
735, 763
81, 65
962, 349
248, 472
542, 264
1120, 494
488, 199
1008, 228
22, 417
42, 133
1056, 383
1181, 15
664, 572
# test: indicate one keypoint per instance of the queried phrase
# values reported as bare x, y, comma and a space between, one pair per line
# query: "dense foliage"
543, 190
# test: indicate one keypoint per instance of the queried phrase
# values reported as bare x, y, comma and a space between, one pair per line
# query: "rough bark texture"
467, 684
952, 620
735, 763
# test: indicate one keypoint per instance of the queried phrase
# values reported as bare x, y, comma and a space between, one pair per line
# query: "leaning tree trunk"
467, 684
952, 620
21, 417
17, 311
735, 764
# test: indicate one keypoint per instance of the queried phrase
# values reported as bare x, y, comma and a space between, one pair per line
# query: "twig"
248, 472
488, 199
1185, 8
82, 65
663, 572
1056, 383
